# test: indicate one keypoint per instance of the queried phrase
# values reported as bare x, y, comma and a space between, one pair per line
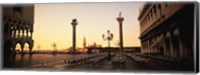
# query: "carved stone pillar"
22, 33
169, 44
177, 44
14, 34
30, 48
26, 33
153, 14
31, 35
172, 45
19, 33
181, 47
164, 45
22, 48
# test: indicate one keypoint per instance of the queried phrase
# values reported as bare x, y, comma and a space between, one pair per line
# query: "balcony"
22, 37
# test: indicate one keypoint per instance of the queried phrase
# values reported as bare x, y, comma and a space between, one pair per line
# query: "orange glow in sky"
52, 23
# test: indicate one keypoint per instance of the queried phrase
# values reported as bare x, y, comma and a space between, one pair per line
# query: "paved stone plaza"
97, 63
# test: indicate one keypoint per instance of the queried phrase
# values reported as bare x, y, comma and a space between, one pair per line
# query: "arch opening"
26, 48
18, 48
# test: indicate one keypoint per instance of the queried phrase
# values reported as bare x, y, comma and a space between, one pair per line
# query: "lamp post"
54, 47
108, 38
74, 23
120, 19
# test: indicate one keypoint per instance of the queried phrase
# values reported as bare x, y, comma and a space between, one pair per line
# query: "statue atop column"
120, 13
74, 22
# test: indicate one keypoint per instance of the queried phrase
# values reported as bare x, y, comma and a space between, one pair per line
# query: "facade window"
154, 9
166, 4
6, 28
17, 9
150, 14
142, 23
159, 8
146, 20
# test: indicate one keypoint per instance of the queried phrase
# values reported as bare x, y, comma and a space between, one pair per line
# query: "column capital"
74, 22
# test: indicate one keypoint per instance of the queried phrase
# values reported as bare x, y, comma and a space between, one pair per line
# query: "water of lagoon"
26, 60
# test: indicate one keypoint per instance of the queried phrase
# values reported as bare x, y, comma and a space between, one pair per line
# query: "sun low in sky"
52, 23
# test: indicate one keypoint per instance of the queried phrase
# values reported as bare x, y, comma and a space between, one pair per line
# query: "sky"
52, 23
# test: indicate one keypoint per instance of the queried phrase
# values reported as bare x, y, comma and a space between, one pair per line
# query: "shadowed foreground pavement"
99, 63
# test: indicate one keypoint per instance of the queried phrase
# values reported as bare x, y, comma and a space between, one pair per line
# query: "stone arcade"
18, 27
167, 29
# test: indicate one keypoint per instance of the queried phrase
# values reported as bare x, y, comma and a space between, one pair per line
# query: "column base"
22, 53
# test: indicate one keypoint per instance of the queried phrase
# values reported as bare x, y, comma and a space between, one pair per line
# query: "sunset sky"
52, 23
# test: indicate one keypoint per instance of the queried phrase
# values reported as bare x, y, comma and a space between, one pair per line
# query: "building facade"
18, 23
167, 29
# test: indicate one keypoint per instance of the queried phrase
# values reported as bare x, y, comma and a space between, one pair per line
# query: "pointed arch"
26, 47
18, 46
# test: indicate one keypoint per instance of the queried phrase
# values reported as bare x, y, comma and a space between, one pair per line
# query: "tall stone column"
74, 23
120, 19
